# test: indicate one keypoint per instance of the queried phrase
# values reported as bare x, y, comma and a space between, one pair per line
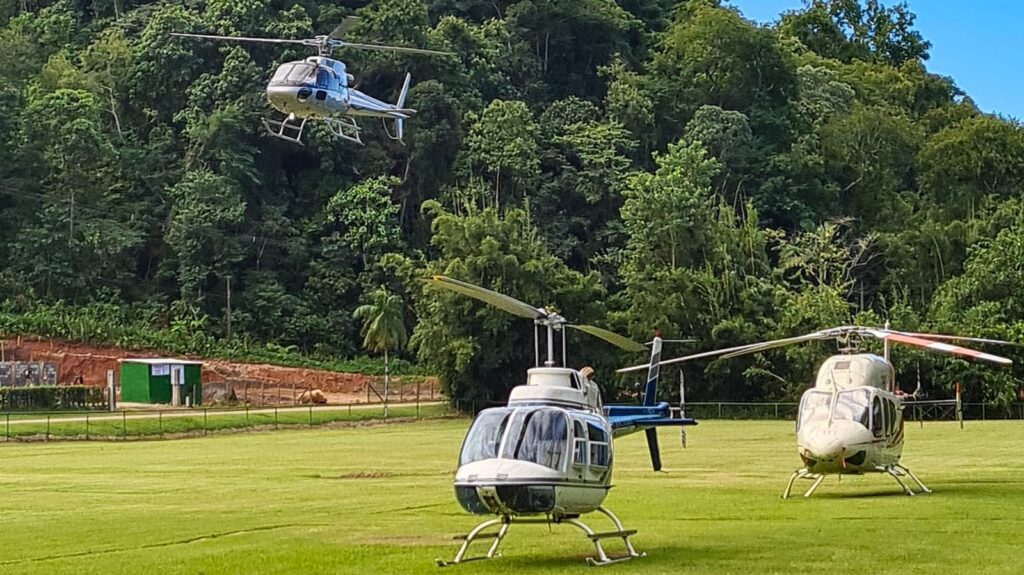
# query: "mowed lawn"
378, 499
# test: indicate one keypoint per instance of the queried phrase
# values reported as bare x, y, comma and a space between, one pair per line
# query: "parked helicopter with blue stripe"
319, 88
547, 456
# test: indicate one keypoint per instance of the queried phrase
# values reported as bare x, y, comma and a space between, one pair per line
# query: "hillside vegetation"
637, 164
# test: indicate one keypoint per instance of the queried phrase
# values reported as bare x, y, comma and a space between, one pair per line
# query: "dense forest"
635, 164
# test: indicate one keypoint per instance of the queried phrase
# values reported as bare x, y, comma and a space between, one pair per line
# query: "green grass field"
378, 499
196, 421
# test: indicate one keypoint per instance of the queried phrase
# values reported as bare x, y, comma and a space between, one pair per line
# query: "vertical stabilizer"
651, 388
651, 397
400, 122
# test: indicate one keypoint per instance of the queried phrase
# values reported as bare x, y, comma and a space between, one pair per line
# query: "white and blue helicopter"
547, 456
319, 88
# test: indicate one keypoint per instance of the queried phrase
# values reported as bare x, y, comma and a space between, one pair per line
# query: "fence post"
160, 421
47, 436
124, 424
983, 411
311, 415
247, 414
87, 426
776, 411
205, 411
276, 426
7, 433
719, 410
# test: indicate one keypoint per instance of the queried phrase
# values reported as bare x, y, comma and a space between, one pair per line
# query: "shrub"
46, 398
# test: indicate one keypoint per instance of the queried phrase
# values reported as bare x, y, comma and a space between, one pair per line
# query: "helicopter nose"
834, 447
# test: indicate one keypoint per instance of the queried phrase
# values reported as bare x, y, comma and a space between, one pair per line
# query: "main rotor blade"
379, 47
766, 345
938, 346
498, 300
943, 337
692, 357
243, 39
611, 337
748, 348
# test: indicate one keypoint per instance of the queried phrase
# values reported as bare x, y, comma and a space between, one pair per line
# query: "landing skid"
290, 128
345, 128
817, 478
596, 538
896, 471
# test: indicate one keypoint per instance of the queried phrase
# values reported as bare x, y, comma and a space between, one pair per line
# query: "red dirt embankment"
92, 363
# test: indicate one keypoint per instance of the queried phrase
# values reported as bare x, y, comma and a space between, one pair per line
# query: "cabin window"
323, 78
814, 407
890, 416
484, 438
853, 406
600, 452
579, 433
877, 419
538, 436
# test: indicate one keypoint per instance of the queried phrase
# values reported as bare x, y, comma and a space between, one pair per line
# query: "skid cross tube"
506, 521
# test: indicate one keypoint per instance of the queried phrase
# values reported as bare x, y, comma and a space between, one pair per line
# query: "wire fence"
921, 411
163, 423
936, 410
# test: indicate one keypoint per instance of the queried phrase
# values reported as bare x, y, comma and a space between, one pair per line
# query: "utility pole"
228, 280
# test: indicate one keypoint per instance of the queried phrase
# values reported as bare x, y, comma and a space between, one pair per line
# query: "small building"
148, 380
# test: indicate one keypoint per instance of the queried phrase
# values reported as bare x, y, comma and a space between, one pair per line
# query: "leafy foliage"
637, 164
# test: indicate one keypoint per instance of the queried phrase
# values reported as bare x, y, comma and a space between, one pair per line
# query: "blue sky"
979, 43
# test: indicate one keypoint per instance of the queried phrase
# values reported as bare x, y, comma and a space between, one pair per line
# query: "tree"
503, 140
478, 352
368, 216
847, 29
712, 56
383, 328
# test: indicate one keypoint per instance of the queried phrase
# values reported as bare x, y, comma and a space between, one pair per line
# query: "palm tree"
383, 328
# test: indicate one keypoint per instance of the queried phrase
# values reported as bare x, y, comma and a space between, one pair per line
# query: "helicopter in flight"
546, 457
851, 421
319, 88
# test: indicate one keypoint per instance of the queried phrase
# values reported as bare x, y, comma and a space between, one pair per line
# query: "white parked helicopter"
851, 421
319, 89
546, 457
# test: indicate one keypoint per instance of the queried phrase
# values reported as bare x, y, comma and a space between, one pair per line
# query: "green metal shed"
148, 380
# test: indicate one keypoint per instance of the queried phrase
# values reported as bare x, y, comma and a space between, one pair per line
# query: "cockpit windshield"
853, 405
294, 74
815, 406
484, 439
538, 436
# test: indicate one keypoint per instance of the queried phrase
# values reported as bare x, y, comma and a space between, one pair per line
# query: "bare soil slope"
92, 362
